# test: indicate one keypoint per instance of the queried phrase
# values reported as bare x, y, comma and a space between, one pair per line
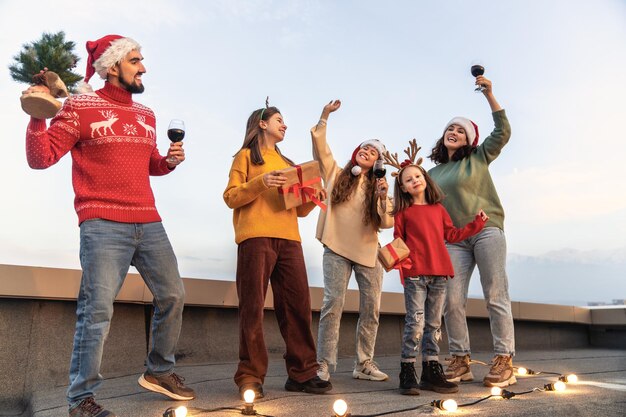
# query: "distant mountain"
568, 276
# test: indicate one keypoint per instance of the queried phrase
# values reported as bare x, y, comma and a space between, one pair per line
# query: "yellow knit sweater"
257, 208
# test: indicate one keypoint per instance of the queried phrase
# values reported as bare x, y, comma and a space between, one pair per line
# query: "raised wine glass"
176, 133
379, 169
476, 70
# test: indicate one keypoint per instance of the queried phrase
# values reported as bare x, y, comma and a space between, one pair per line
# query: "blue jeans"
487, 249
337, 271
424, 297
107, 249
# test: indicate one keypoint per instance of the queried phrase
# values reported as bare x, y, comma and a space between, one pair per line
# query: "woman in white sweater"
358, 207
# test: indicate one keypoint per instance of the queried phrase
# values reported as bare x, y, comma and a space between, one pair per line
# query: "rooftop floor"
601, 391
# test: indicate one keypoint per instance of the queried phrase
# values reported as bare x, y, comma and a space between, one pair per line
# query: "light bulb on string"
248, 397
446, 405
569, 379
340, 408
525, 371
555, 386
176, 412
496, 391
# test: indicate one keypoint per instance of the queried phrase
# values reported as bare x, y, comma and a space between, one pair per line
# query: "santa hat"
471, 130
375, 143
104, 53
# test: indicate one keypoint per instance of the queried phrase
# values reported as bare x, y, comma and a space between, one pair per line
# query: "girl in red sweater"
423, 223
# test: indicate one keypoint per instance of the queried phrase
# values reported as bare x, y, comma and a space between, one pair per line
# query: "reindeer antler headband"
411, 151
267, 104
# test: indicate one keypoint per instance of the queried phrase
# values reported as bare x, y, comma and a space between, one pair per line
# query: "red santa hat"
375, 143
104, 53
471, 130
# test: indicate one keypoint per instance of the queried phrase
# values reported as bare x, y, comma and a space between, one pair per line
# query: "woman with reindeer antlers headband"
462, 172
357, 208
269, 250
423, 223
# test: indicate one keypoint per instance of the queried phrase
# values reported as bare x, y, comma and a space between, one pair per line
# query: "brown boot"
459, 369
501, 373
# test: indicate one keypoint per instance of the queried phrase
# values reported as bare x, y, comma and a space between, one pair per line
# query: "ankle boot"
408, 379
433, 379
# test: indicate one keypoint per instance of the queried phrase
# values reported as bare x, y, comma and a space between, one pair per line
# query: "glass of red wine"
476, 70
379, 169
176, 133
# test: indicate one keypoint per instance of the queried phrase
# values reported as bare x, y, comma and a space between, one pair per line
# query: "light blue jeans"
107, 249
337, 271
424, 297
487, 250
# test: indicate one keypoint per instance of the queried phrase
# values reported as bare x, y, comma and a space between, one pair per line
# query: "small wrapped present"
393, 254
304, 182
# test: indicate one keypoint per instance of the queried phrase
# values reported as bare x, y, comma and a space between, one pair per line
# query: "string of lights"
340, 407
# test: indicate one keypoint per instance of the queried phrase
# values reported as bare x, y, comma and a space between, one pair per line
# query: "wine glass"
379, 169
176, 133
476, 70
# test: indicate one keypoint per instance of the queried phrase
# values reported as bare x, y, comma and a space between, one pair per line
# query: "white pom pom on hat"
375, 143
471, 130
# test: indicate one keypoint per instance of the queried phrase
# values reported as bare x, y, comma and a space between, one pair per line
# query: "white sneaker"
369, 370
322, 371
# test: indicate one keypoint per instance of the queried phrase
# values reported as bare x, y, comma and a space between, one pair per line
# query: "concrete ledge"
63, 284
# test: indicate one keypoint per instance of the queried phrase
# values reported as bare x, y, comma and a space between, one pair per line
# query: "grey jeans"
337, 271
424, 297
487, 250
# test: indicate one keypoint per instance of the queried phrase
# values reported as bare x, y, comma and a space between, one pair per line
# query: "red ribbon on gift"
304, 189
405, 263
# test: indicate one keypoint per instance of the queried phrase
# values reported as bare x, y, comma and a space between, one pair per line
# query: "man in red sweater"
113, 145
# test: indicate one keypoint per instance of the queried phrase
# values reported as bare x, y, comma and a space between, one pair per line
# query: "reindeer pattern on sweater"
113, 147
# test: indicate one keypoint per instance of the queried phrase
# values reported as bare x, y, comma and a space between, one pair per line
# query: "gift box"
304, 182
393, 254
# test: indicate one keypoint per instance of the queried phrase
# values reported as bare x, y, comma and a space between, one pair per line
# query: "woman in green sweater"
462, 172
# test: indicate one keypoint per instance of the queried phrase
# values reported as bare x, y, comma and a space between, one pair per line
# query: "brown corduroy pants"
281, 262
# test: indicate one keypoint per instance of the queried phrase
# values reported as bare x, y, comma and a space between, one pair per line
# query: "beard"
131, 87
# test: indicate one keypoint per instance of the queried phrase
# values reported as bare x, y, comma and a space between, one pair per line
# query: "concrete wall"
36, 340
37, 318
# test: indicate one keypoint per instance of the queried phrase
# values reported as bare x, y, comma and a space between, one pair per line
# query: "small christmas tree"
53, 52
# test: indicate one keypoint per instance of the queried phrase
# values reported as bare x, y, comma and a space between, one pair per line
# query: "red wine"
379, 169
477, 70
176, 135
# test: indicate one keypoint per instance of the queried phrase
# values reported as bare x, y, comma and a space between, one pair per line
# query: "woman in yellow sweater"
357, 208
269, 250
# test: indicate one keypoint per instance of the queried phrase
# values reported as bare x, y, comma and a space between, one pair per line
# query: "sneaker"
254, 386
459, 369
323, 371
314, 385
90, 408
433, 379
369, 370
408, 379
501, 373
170, 385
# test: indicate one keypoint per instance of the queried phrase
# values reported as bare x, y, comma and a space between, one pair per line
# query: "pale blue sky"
401, 69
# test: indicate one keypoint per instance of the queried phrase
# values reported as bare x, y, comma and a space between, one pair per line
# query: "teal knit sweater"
467, 183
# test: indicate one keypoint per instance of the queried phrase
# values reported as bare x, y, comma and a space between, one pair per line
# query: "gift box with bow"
394, 255
304, 182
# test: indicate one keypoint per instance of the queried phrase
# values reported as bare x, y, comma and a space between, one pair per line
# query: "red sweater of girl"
424, 228
113, 144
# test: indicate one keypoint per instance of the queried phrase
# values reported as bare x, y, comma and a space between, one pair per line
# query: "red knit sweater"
113, 144
423, 229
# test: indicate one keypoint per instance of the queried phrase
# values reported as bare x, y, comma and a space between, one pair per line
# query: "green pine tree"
52, 51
